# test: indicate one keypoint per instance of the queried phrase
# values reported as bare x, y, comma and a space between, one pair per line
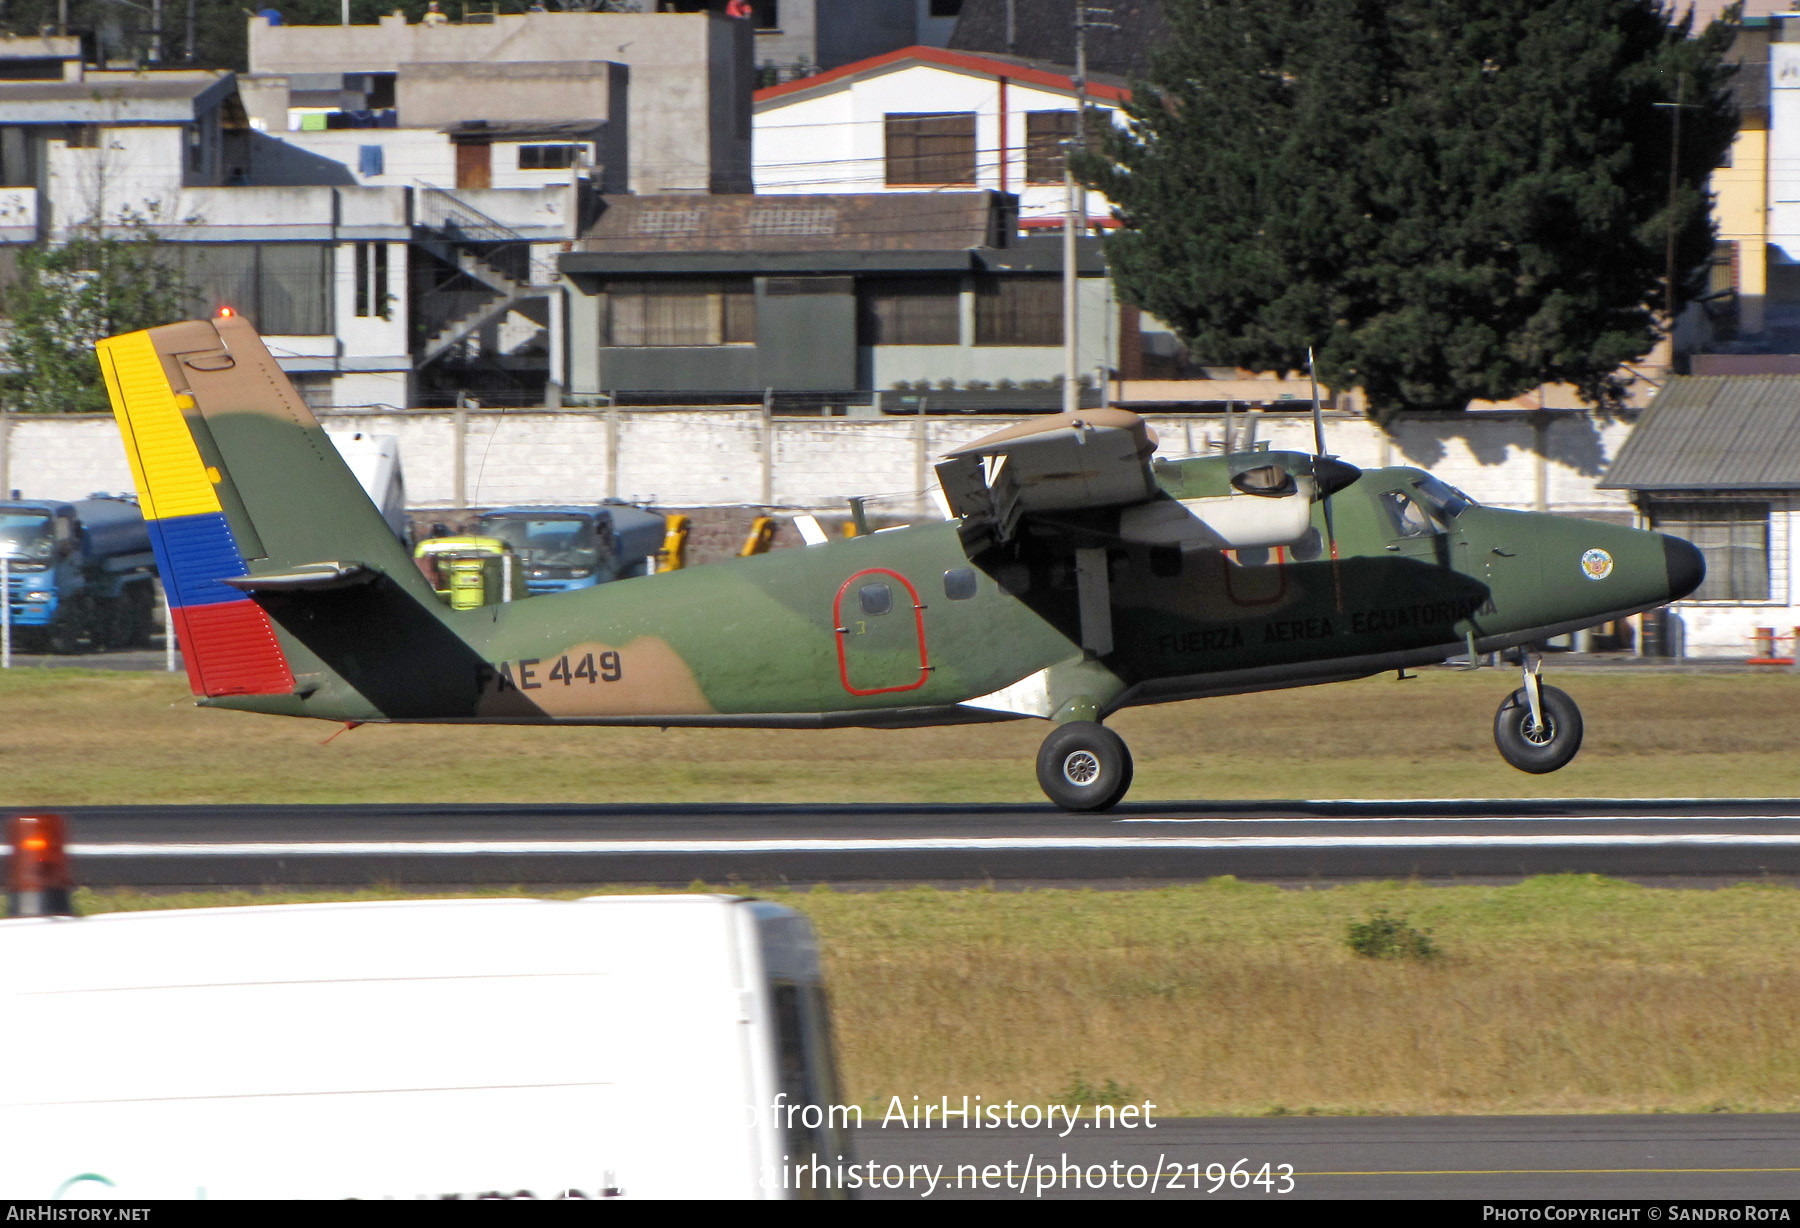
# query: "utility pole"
1071, 221
1675, 109
1075, 205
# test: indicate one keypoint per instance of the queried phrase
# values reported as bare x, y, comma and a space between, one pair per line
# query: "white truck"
638, 1046
375, 460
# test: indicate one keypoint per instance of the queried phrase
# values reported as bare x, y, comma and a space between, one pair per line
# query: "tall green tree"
65, 298
1447, 199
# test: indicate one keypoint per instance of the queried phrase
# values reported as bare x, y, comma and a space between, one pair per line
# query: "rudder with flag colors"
226, 640
236, 480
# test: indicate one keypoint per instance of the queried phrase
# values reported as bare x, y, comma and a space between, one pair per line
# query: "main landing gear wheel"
1084, 766
1531, 746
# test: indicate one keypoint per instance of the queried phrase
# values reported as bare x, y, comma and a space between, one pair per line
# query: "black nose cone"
1685, 564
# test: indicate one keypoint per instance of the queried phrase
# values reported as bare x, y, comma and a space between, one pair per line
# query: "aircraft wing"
1091, 459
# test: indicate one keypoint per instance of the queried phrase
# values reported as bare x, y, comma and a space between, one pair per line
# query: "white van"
639, 1046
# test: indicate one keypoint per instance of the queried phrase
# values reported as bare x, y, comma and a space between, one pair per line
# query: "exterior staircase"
487, 252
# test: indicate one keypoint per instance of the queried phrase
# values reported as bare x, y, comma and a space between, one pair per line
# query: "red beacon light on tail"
225, 313
37, 878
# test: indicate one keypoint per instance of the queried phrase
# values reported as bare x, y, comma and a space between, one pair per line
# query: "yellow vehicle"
469, 572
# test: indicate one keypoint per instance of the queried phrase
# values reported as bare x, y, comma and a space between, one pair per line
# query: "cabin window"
876, 598
959, 583
1732, 536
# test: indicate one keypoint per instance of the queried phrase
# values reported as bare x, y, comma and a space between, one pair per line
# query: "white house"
1716, 460
925, 119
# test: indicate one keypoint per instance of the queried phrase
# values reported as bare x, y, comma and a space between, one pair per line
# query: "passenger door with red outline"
880, 625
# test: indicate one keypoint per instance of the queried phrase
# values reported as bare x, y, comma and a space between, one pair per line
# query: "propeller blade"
1331, 475
1318, 417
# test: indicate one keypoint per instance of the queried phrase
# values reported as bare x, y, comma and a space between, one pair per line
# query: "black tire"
1084, 766
143, 616
1524, 746
64, 634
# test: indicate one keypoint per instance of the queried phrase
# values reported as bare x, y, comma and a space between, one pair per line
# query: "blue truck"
568, 547
82, 573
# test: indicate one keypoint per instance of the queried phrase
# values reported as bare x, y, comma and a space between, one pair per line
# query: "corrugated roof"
1715, 432
887, 221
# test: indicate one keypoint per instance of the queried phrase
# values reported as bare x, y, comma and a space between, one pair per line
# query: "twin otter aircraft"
1081, 576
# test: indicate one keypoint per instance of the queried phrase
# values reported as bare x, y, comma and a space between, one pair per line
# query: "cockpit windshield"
547, 541
1443, 497
26, 535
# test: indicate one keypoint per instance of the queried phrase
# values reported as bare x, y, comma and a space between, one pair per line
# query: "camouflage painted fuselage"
291, 596
784, 638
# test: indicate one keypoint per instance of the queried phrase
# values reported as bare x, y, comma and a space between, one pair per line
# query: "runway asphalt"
1693, 840
1576, 1160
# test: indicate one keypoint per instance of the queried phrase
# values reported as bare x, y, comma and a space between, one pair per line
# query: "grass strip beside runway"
96, 737
1555, 995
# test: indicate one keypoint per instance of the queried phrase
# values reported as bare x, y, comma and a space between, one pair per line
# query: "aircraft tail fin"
237, 481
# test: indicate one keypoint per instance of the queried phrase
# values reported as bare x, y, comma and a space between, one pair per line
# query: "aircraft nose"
1685, 564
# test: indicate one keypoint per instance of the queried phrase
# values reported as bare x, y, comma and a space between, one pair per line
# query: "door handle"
1392, 546
1503, 552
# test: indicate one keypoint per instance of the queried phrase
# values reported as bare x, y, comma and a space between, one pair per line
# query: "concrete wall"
705, 457
689, 88
437, 95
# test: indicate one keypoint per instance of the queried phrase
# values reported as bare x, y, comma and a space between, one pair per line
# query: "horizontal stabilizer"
1095, 458
309, 577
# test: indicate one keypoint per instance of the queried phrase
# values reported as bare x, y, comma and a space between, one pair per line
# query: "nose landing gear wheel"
1532, 747
1084, 766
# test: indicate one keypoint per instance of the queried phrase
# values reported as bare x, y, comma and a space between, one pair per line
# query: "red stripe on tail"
230, 649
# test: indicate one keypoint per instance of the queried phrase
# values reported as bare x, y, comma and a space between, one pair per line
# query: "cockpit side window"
1443, 498
1410, 519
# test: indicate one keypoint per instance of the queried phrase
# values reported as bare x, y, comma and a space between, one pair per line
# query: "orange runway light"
37, 876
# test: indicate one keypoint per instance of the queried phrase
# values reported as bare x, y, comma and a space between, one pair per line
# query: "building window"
936, 149
945, 8
1045, 132
547, 157
372, 299
83, 136
1722, 271
281, 288
681, 312
1018, 310
908, 311
1733, 537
